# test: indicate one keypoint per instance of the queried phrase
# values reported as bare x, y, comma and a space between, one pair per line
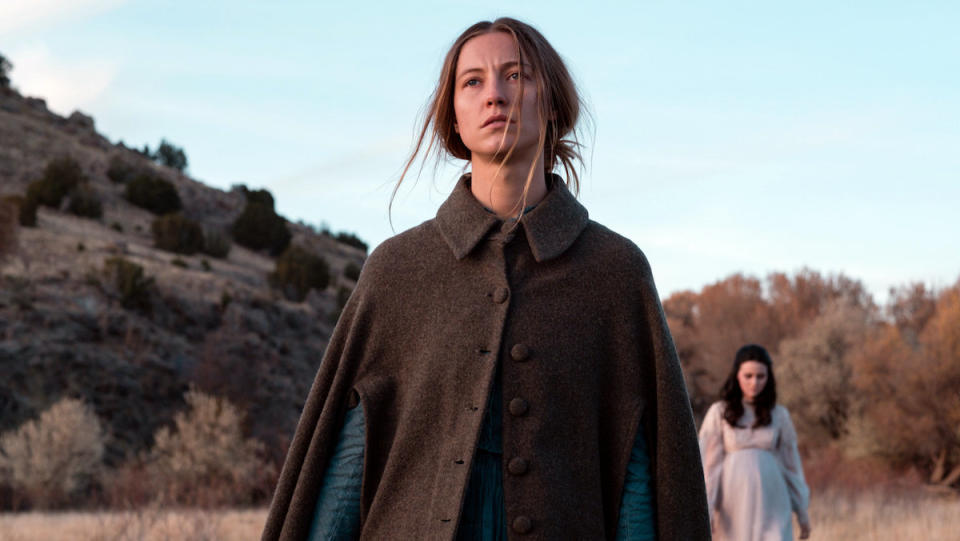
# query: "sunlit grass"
835, 517
143, 525
879, 517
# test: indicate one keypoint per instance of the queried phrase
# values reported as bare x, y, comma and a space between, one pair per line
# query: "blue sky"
728, 136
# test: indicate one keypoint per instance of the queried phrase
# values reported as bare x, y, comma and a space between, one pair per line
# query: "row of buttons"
517, 407
519, 465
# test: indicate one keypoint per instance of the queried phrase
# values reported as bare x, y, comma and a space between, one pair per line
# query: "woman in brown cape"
504, 369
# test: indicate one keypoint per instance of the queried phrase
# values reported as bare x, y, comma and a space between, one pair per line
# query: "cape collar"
551, 227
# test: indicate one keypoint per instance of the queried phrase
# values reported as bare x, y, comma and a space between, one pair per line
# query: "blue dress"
483, 518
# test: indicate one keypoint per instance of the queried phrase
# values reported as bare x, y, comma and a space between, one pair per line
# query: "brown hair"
558, 104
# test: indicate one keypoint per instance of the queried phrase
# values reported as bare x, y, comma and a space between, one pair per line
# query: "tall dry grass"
875, 516
141, 525
835, 516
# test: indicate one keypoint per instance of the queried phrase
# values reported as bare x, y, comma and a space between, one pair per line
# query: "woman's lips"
495, 121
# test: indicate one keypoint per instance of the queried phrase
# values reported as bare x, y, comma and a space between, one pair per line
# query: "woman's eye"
471, 82
514, 76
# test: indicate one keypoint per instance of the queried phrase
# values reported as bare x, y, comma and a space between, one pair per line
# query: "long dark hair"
732, 395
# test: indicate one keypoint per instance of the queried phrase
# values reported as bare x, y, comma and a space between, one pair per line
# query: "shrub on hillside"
351, 272
177, 233
261, 196
5, 67
52, 457
260, 228
85, 202
322, 229
153, 193
34, 196
131, 282
60, 177
351, 240
216, 244
298, 271
121, 171
171, 156
26, 209
205, 459
254, 196
343, 295
9, 211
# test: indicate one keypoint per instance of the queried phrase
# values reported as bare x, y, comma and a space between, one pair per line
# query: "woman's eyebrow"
469, 70
514, 64
506, 65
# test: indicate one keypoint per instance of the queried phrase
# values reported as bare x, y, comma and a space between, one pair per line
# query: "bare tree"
54, 456
205, 460
909, 374
814, 376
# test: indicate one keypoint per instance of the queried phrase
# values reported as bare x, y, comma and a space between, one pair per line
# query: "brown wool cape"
570, 312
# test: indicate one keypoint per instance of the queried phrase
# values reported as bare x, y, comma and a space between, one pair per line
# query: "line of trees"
167, 154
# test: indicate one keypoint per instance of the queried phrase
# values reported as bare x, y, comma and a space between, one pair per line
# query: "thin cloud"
351, 161
19, 15
65, 85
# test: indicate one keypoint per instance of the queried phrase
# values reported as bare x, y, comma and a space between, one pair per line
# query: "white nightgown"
753, 475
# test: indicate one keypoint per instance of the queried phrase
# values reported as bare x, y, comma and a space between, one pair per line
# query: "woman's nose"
497, 96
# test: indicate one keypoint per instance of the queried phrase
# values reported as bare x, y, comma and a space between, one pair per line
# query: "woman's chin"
519, 154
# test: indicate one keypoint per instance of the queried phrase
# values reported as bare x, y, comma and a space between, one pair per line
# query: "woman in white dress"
750, 460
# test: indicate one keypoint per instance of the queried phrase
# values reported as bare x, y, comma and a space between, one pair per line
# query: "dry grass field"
867, 517
875, 517
145, 525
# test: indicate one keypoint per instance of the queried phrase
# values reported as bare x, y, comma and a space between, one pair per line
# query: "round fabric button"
518, 407
518, 466
522, 524
519, 352
500, 295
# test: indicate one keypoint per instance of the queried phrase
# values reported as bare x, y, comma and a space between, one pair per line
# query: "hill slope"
213, 322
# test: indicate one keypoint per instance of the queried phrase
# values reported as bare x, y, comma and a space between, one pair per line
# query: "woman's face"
752, 377
487, 86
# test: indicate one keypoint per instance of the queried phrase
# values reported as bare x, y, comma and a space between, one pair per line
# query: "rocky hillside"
67, 323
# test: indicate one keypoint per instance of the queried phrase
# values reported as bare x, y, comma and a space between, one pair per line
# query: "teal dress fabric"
636, 507
483, 517
337, 514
